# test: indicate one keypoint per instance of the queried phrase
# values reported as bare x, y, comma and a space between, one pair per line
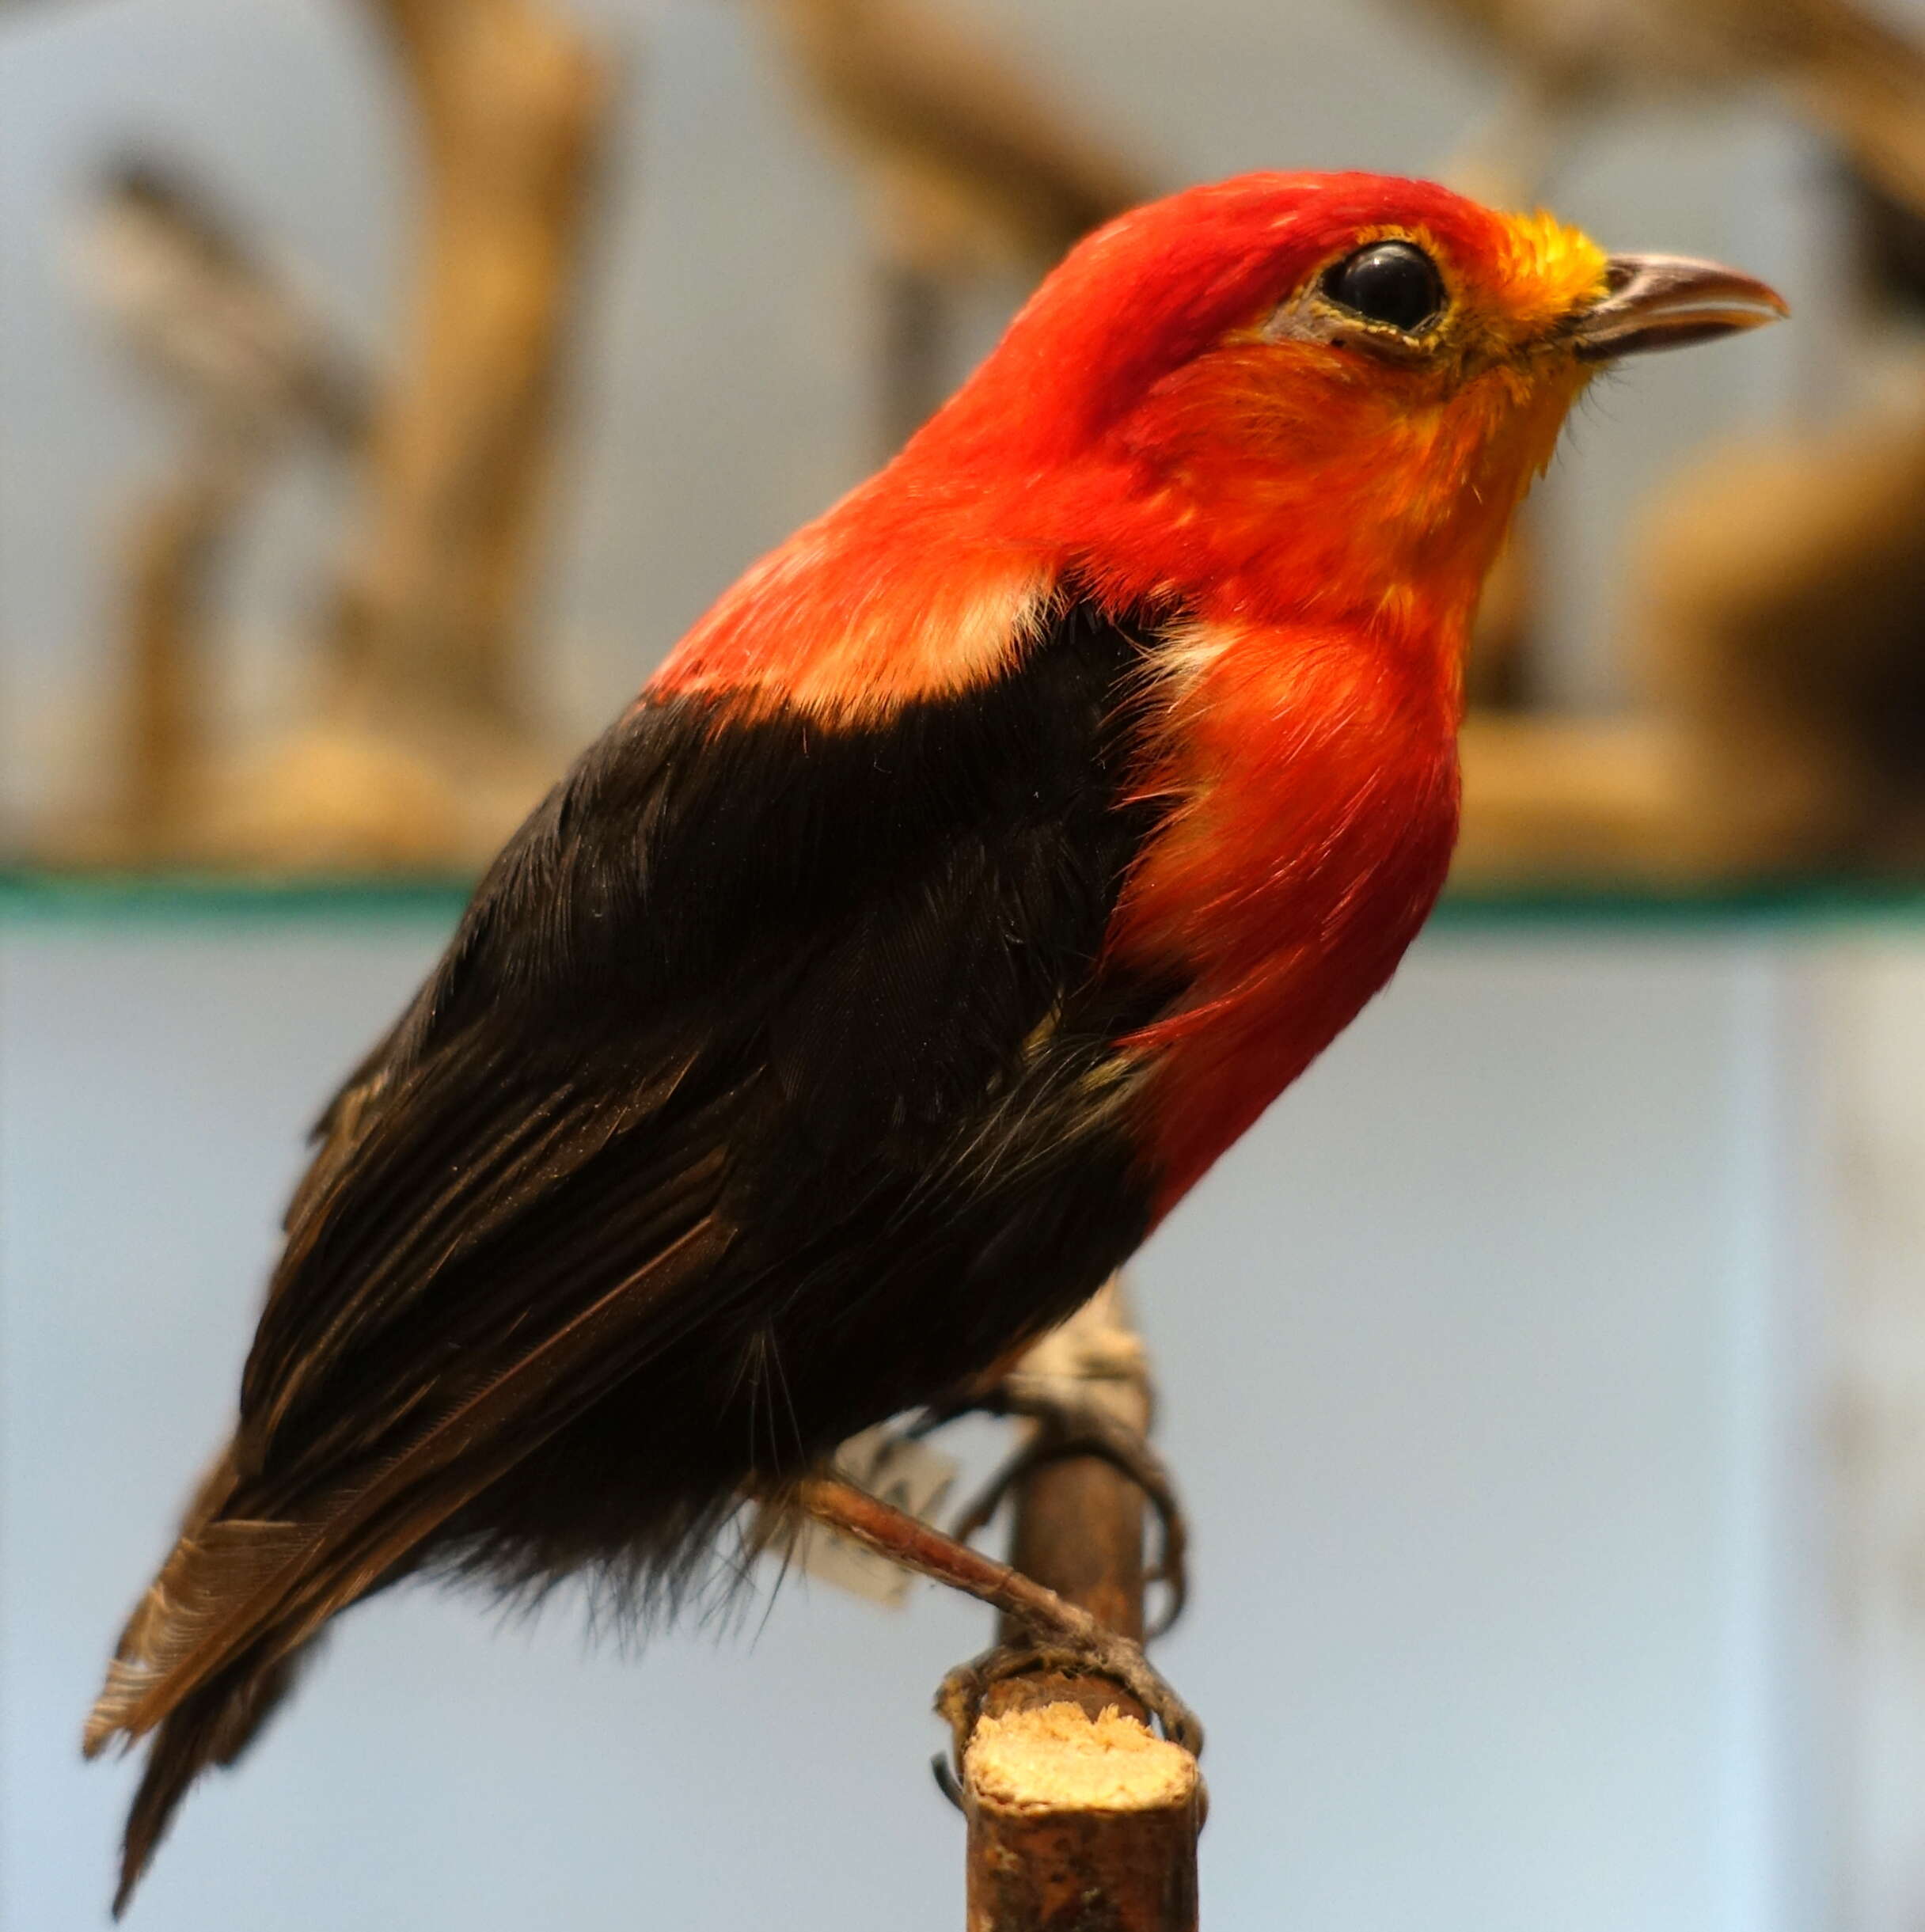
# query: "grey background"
1478, 1365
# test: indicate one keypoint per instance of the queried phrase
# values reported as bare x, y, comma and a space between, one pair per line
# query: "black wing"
765, 1089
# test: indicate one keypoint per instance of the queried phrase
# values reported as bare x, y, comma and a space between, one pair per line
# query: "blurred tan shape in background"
974, 168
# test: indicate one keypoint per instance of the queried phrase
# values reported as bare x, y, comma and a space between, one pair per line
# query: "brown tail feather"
142, 1631
209, 1650
212, 1725
245, 1585
220, 1570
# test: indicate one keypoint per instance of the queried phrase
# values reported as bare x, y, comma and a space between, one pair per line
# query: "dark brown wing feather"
748, 1105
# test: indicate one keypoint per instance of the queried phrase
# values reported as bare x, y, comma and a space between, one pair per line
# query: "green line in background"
31, 898
1792, 903
28, 897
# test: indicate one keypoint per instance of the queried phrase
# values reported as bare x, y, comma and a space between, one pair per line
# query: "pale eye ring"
1392, 283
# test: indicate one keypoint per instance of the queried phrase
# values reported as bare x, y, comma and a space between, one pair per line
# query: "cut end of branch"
1056, 1758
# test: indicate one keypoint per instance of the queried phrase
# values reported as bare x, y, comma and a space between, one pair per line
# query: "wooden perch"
1078, 1815
1079, 1821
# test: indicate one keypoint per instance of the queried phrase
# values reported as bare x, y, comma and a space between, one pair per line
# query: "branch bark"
1080, 1819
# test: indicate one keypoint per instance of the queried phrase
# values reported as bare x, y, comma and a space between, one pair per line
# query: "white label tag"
903, 1471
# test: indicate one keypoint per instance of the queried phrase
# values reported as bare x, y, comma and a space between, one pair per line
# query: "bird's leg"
1063, 1638
1069, 1422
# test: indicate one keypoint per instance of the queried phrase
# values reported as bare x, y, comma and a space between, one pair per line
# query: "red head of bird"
1284, 396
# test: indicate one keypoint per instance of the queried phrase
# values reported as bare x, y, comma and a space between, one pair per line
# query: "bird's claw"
959, 1698
1066, 1428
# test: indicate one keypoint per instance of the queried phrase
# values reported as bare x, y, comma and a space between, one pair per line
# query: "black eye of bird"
1392, 282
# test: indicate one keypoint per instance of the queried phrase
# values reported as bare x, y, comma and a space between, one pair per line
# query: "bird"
967, 879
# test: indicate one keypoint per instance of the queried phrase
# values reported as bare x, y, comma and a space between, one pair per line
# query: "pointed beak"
1667, 302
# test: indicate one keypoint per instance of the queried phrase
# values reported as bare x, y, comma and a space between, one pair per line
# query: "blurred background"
384, 386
